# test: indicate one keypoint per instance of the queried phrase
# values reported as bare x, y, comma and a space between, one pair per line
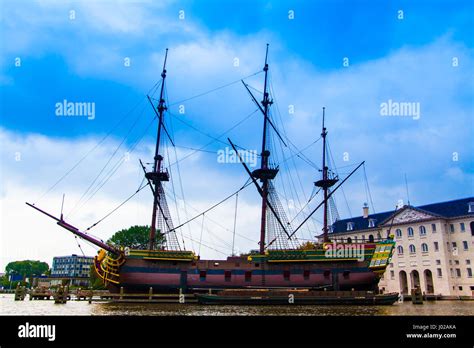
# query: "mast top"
163, 74
324, 128
266, 60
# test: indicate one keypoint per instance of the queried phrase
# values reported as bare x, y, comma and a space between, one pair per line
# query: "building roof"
449, 209
73, 256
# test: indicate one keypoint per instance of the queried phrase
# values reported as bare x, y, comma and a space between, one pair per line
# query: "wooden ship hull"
181, 271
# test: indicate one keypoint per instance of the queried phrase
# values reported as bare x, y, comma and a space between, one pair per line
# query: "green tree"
135, 237
27, 268
95, 282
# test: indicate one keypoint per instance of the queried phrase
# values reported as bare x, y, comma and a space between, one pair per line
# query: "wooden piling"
20, 292
416, 296
61, 295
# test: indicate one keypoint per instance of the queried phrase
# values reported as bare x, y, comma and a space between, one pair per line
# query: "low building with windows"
434, 245
74, 269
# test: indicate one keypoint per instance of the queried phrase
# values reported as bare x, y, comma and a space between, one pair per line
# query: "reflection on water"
10, 307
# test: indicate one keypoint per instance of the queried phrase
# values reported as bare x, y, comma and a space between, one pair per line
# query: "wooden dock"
62, 295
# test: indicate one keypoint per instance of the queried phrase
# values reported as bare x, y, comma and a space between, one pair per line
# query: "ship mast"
156, 176
264, 173
326, 182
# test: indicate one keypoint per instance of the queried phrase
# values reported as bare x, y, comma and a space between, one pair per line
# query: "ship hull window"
248, 276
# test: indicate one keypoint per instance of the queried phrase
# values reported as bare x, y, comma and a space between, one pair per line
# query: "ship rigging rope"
214, 89
299, 153
337, 173
293, 190
218, 224
116, 166
75, 237
368, 189
141, 187
174, 197
98, 143
180, 182
89, 188
207, 246
214, 138
306, 204
247, 183
200, 237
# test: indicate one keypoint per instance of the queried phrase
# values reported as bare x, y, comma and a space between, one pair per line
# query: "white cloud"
25, 233
200, 60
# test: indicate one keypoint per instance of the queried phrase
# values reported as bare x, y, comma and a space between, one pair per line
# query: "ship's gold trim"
164, 258
316, 260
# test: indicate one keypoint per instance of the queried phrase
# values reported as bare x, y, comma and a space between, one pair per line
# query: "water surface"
10, 307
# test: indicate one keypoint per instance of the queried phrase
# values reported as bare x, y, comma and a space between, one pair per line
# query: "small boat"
296, 297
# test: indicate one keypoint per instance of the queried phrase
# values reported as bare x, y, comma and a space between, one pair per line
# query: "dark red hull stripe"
130, 269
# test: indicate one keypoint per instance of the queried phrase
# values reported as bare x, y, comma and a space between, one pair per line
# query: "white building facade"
434, 246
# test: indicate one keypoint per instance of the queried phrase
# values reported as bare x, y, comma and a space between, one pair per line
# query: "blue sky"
82, 59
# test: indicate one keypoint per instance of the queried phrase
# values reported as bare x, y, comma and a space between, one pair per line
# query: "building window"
349, 240
451, 228
436, 246
463, 227
454, 245
464, 244
438, 262
412, 249
410, 232
286, 275
400, 250
422, 231
469, 272
458, 272
456, 262
433, 228
371, 222
470, 207
350, 226
371, 238
440, 273
424, 247
248, 276
468, 262
471, 226
392, 274
399, 233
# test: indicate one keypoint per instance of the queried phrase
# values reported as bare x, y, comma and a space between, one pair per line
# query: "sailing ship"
278, 263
